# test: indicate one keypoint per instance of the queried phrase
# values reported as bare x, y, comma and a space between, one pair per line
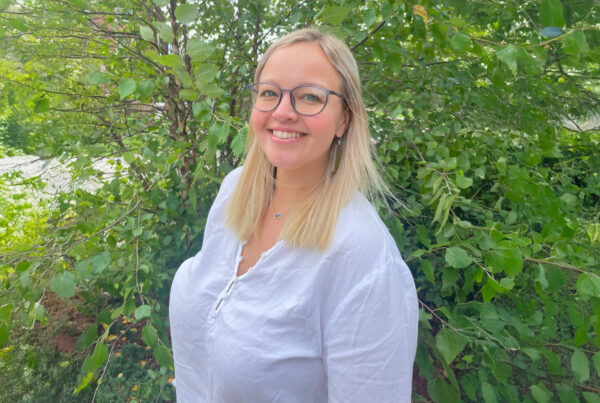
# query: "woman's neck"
293, 187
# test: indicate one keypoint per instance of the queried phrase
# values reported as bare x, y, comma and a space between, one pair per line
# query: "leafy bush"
478, 114
34, 373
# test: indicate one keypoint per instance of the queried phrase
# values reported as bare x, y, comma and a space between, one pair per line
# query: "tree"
468, 102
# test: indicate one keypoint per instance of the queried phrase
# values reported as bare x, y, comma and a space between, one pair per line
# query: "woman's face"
294, 142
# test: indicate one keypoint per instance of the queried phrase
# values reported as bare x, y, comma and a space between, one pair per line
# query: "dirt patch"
419, 384
65, 322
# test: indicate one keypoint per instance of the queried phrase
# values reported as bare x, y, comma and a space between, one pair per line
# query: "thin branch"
424, 305
112, 347
373, 31
561, 265
53, 92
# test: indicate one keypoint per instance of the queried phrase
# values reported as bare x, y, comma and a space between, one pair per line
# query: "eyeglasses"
306, 100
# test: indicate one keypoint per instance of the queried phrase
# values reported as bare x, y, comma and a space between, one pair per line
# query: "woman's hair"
313, 223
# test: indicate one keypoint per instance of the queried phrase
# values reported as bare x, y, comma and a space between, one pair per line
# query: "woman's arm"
370, 340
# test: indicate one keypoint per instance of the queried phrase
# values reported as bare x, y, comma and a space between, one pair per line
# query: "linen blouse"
301, 325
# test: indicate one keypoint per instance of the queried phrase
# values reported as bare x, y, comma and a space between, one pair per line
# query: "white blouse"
301, 326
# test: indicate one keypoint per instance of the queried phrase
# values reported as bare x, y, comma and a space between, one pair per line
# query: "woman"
299, 293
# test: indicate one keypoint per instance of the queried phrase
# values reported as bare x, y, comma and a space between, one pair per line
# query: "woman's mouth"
286, 135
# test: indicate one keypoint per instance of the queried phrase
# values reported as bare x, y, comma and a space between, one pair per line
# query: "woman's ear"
344, 123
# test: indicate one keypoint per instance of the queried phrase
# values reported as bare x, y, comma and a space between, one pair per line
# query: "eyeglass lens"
307, 100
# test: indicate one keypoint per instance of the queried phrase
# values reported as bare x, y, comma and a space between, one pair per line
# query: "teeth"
285, 135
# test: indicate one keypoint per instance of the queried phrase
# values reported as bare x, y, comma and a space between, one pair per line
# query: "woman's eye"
268, 93
311, 98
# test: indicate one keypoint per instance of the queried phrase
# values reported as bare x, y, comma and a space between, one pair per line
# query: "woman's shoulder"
362, 235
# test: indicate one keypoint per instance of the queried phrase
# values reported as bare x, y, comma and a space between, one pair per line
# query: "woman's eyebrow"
302, 83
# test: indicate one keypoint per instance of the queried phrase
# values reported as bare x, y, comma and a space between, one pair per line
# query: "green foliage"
479, 115
34, 374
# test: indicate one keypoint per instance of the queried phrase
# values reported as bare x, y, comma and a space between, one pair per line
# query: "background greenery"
483, 116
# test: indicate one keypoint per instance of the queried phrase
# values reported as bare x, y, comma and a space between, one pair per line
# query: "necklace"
277, 216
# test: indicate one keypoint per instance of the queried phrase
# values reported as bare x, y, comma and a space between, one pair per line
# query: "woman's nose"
285, 109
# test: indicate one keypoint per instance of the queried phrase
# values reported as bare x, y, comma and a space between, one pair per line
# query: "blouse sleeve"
370, 339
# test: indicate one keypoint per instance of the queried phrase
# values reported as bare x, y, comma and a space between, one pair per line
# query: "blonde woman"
299, 293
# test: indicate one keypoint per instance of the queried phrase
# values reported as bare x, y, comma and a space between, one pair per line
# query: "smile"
286, 135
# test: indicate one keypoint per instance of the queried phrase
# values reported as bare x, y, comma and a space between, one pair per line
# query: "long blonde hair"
313, 223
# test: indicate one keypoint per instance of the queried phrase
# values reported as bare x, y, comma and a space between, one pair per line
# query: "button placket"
220, 300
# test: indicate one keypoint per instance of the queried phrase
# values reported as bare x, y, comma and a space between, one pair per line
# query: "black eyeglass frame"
292, 99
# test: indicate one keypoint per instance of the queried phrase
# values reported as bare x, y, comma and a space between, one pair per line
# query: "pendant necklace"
277, 216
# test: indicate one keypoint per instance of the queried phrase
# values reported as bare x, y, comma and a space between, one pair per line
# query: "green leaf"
97, 358
462, 181
145, 88
439, 34
150, 335
171, 60
488, 292
427, 269
551, 32
197, 107
163, 356
370, 17
334, 15
239, 142
5, 313
188, 95
588, 285
63, 284
142, 312
541, 277
457, 257
96, 77
419, 29
186, 13
4, 4
87, 338
508, 55
591, 397
449, 344
146, 33
488, 392
540, 393
569, 199
18, 24
41, 105
100, 262
184, 76
575, 43
551, 13
36, 313
505, 257
460, 42
580, 366
441, 391
223, 131
4, 334
83, 4
126, 87
211, 90
84, 383
596, 361
531, 66
205, 73
129, 157
198, 50
165, 32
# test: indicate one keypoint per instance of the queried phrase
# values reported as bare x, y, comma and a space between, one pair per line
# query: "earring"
337, 155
